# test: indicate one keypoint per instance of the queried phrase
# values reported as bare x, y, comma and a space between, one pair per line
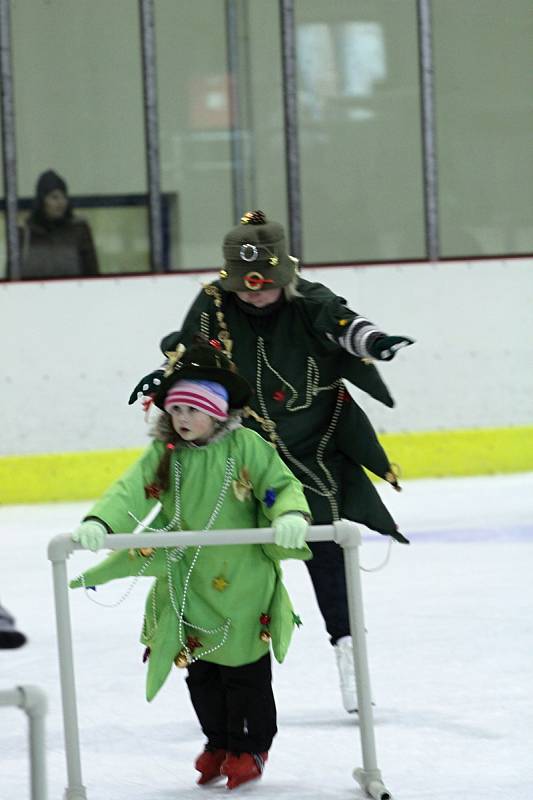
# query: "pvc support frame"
344, 532
32, 701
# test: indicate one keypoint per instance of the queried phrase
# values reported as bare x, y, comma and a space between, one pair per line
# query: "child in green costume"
215, 610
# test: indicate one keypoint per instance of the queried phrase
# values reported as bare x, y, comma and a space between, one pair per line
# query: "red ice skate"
243, 768
208, 764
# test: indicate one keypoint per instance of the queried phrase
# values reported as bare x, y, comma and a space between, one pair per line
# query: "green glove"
290, 530
90, 534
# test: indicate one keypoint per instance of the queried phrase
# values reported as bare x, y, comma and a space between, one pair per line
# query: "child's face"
191, 424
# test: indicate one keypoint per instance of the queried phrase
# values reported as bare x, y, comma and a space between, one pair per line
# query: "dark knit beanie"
48, 182
256, 256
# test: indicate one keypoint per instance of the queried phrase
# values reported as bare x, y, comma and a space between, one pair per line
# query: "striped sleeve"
333, 320
357, 336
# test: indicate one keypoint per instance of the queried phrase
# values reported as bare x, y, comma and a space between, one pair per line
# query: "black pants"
234, 705
326, 569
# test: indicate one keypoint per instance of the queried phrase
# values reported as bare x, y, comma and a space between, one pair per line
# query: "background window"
359, 128
194, 123
483, 68
79, 111
198, 124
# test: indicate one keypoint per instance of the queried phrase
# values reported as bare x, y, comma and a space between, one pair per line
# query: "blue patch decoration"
270, 498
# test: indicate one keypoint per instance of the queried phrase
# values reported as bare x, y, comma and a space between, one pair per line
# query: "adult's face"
55, 204
260, 299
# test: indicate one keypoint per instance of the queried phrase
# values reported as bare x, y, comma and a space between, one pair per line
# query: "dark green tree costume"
296, 353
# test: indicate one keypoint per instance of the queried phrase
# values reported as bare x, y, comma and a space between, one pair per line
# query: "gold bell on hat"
265, 636
182, 659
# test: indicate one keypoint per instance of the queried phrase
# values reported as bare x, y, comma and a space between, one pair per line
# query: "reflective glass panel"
79, 113
220, 119
483, 80
359, 130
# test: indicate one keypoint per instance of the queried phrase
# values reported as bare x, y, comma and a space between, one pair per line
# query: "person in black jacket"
295, 341
53, 241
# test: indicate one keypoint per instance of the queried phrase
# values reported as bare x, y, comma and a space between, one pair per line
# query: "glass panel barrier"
79, 112
198, 124
483, 67
194, 128
3, 245
359, 129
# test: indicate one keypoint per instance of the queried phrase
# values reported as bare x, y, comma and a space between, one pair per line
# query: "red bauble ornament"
215, 343
279, 396
264, 619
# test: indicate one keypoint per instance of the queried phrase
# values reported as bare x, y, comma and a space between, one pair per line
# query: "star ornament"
220, 583
242, 486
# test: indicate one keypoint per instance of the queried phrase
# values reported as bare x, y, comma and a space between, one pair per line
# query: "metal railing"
345, 533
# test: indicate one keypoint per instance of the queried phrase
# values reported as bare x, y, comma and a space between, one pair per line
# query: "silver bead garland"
180, 610
312, 389
172, 555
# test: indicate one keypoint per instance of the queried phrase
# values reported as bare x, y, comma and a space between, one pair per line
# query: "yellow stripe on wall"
435, 454
61, 476
440, 454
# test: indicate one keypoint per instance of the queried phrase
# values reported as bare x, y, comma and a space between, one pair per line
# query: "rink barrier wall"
434, 454
84, 344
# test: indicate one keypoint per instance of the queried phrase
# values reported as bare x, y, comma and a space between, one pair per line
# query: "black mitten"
147, 385
384, 348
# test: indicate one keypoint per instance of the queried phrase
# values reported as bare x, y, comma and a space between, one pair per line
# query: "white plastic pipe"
344, 532
369, 778
32, 700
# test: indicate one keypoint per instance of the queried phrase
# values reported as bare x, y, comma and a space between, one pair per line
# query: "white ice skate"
344, 655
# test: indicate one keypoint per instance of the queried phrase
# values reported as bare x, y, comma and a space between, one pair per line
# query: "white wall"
70, 351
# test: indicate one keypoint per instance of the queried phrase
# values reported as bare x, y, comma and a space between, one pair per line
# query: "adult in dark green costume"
295, 341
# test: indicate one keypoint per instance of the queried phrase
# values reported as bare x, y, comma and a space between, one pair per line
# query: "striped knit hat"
206, 396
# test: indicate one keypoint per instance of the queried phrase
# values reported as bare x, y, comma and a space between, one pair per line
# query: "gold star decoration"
220, 583
242, 486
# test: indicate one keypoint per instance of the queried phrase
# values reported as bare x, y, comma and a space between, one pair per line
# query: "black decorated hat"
255, 256
203, 362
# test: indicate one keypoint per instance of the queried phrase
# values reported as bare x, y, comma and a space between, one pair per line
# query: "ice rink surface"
450, 639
